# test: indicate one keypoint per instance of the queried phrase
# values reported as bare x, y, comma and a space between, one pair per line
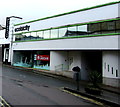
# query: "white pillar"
111, 70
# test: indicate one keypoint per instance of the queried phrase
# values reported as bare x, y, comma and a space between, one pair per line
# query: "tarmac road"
24, 88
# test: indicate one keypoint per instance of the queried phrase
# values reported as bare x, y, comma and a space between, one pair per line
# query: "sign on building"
42, 57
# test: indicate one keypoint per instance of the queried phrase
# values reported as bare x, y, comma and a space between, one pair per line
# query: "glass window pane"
62, 32
111, 25
74, 28
27, 34
54, 33
33, 34
72, 31
40, 34
104, 26
19, 37
108, 68
117, 27
82, 30
108, 27
117, 24
94, 28
116, 73
46, 34
112, 70
22, 37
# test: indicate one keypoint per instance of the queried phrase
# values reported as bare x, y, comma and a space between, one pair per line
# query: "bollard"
76, 76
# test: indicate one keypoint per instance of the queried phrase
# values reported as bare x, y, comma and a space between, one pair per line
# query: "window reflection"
74, 28
82, 28
40, 34
71, 31
88, 29
62, 32
46, 34
33, 34
117, 26
28, 34
19, 37
54, 33
94, 28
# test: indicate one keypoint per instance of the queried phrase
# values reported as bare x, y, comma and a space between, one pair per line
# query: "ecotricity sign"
22, 28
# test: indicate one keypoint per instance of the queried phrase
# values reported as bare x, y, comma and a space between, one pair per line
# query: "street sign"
7, 27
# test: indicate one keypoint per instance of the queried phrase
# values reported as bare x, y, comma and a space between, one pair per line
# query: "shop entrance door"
6, 55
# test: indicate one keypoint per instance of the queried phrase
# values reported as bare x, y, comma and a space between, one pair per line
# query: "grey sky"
34, 9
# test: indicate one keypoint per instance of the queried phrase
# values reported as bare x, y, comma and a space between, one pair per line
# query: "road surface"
20, 87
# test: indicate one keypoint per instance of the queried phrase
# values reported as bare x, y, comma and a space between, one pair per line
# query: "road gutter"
94, 98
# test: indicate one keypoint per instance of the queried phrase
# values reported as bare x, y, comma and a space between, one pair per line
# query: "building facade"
4, 47
88, 38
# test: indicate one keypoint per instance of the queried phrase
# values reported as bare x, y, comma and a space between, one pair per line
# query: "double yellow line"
85, 98
3, 103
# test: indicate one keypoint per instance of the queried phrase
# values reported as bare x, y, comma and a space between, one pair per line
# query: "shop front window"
23, 58
42, 61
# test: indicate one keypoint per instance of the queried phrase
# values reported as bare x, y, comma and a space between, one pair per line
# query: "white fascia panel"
101, 13
89, 43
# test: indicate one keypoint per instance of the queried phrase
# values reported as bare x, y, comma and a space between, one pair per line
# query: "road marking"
3, 103
85, 98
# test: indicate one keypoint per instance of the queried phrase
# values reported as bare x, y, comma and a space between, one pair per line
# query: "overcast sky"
34, 9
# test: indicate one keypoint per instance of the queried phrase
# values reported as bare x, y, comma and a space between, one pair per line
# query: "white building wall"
102, 42
57, 58
74, 59
110, 58
68, 58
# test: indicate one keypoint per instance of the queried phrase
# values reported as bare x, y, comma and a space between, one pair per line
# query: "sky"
35, 9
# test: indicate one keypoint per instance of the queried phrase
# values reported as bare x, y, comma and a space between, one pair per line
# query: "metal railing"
61, 67
3, 103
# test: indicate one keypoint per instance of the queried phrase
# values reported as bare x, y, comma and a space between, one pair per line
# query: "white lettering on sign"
42, 57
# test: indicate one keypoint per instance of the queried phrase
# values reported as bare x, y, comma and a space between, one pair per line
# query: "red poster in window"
43, 57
